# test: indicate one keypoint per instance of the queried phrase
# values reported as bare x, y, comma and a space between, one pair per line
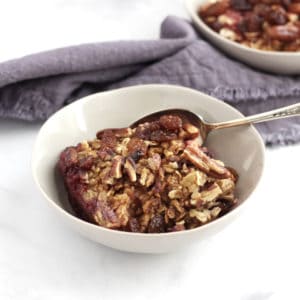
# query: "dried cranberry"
261, 9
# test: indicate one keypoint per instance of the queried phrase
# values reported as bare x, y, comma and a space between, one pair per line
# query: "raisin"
162, 136
157, 224
108, 139
170, 122
144, 131
253, 22
136, 155
136, 148
178, 227
261, 9
134, 225
277, 16
240, 4
216, 26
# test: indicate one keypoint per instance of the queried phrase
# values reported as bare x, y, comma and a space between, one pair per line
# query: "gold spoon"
205, 127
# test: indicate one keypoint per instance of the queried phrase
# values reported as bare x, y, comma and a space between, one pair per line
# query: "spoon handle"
284, 112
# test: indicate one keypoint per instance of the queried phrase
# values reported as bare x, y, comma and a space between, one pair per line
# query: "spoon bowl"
205, 127
184, 114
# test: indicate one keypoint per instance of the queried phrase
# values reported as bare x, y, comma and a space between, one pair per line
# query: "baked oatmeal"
153, 178
271, 25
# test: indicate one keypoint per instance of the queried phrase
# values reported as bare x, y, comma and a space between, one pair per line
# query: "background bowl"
271, 61
241, 148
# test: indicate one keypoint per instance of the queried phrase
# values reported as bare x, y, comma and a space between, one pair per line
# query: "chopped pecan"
171, 167
212, 193
226, 185
197, 178
147, 178
104, 215
130, 169
192, 131
116, 171
175, 194
195, 159
154, 162
202, 216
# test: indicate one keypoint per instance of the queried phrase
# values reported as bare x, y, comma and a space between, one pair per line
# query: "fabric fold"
35, 86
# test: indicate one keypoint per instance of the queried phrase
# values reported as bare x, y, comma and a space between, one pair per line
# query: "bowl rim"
195, 17
74, 218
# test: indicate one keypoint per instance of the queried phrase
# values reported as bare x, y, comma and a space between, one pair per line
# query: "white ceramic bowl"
271, 61
241, 148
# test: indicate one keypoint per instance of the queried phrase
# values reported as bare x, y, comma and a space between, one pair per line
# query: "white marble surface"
256, 258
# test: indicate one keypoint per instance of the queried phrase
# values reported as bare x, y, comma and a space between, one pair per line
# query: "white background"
256, 258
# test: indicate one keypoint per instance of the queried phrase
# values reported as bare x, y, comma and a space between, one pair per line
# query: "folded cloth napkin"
35, 86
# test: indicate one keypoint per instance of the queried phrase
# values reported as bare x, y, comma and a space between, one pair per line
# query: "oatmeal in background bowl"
263, 34
270, 25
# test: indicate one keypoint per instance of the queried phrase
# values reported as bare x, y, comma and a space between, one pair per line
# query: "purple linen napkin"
35, 86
